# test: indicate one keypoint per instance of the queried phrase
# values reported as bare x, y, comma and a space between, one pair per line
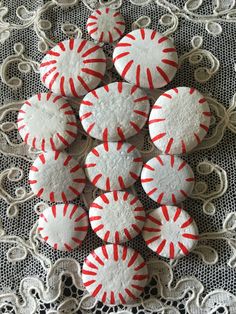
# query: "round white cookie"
170, 232
136, 62
167, 179
106, 25
115, 274
179, 120
47, 122
73, 67
113, 166
56, 177
114, 112
63, 226
117, 216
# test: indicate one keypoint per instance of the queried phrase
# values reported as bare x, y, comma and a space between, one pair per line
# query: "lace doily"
37, 279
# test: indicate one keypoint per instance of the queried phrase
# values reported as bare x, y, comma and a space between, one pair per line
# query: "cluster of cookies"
178, 122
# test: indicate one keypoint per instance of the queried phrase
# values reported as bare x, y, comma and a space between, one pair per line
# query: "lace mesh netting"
221, 86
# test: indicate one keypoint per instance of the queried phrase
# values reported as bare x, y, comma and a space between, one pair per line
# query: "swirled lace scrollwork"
201, 190
222, 11
24, 65
207, 253
21, 195
24, 247
47, 293
51, 291
170, 21
195, 57
8, 146
40, 26
210, 303
226, 233
66, 3
222, 119
141, 22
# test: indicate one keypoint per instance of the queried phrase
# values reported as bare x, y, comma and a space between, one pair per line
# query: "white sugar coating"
114, 112
179, 120
113, 166
106, 25
56, 177
73, 67
146, 58
63, 226
115, 274
117, 216
167, 179
47, 122
170, 232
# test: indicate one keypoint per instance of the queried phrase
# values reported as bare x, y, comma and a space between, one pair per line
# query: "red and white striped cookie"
179, 120
117, 216
170, 232
113, 166
167, 179
114, 112
146, 58
73, 67
63, 226
115, 274
56, 177
47, 122
106, 25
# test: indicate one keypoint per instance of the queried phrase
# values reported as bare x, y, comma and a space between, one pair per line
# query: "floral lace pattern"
35, 278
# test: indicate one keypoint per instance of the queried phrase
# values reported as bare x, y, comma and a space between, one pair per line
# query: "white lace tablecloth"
36, 279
